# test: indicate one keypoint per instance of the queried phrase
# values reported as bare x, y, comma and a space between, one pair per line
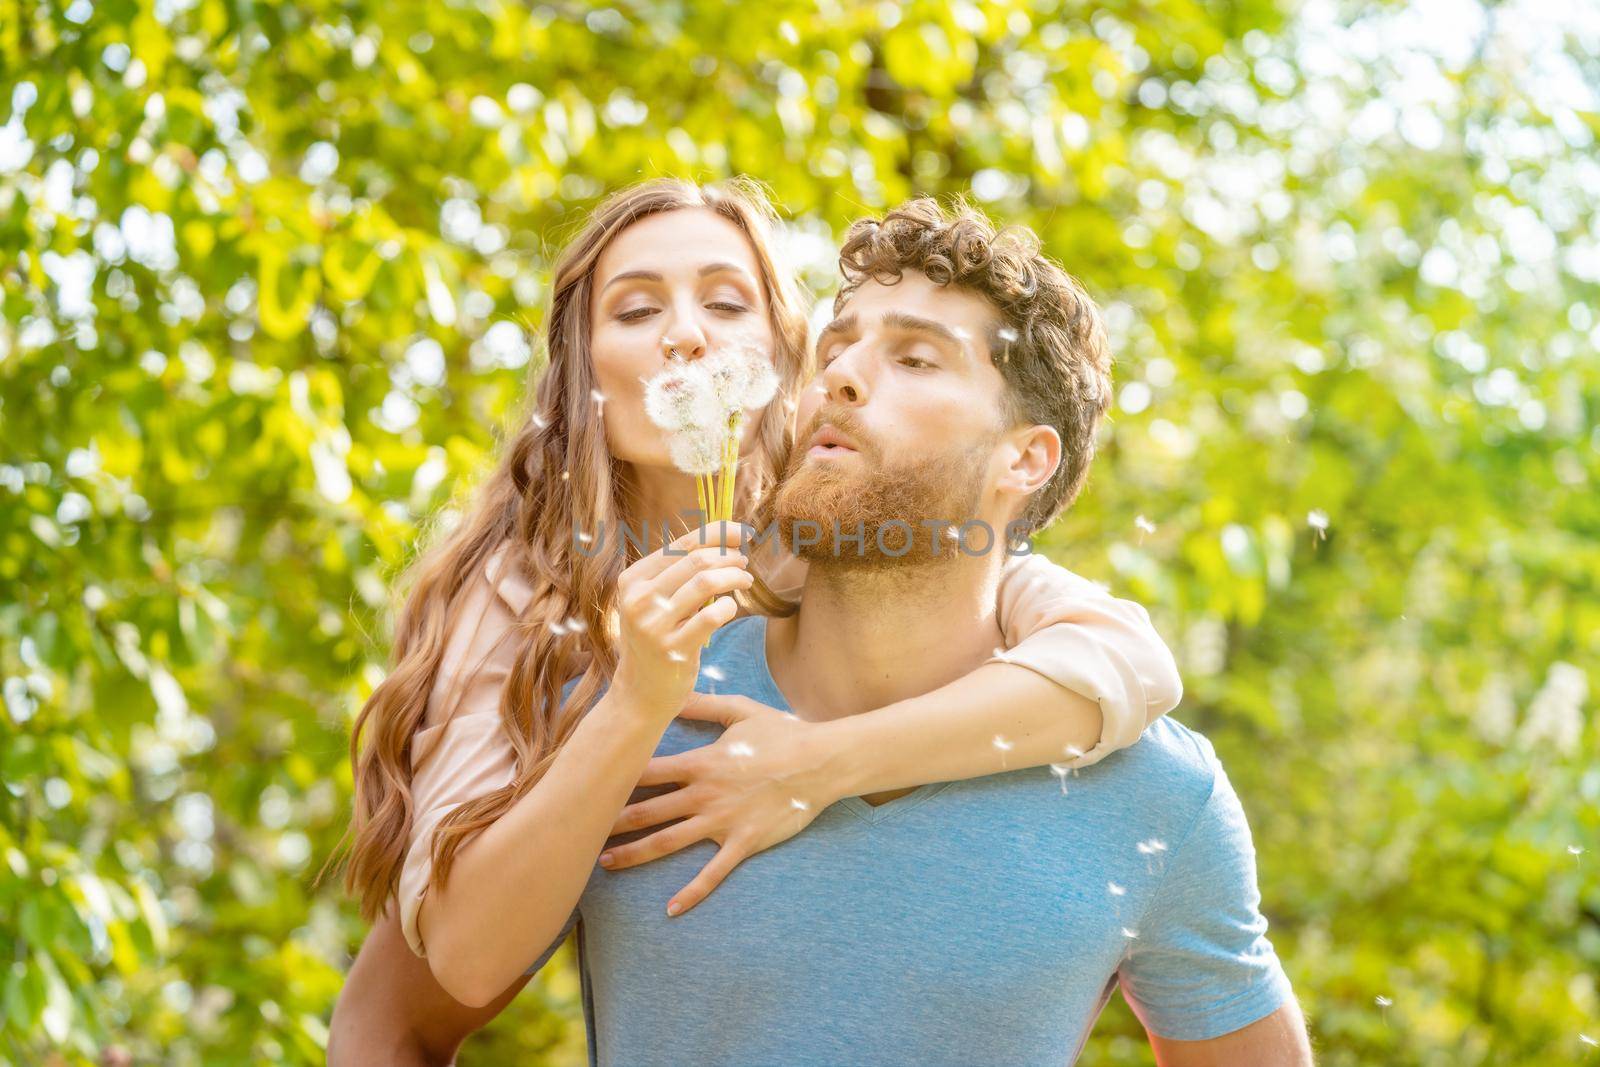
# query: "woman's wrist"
837, 767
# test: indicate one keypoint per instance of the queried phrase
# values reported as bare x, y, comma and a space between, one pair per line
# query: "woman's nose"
684, 332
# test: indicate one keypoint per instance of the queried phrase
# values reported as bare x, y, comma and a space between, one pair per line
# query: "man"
981, 921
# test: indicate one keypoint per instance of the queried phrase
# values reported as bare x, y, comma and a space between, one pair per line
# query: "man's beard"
907, 513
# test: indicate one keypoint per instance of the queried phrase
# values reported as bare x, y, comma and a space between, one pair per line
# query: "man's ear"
1028, 457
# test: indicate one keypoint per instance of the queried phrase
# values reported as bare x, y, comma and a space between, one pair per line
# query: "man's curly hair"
1049, 343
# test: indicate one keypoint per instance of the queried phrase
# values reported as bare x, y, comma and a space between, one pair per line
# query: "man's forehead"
899, 304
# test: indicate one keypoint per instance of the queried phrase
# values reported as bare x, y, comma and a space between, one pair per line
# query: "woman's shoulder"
506, 580
480, 647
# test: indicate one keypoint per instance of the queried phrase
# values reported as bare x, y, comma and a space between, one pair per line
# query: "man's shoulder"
1169, 760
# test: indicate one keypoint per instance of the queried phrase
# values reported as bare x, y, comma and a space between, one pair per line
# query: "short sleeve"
1071, 631
1199, 964
461, 752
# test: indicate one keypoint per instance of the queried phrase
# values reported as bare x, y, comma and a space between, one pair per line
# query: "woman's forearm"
999, 717
513, 886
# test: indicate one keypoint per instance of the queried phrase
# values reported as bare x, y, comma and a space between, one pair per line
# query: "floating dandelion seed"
1129, 934
950, 532
1061, 770
1574, 850
741, 748
714, 673
799, 805
1382, 1001
1149, 850
1073, 750
565, 475
539, 421
1008, 335
676, 657
1116, 890
584, 538
575, 625
1317, 519
1002, 744
598, 397
1144, 525
1587, 1040
557, 628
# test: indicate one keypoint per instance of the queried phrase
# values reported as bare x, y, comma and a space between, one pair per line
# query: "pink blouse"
1056, 623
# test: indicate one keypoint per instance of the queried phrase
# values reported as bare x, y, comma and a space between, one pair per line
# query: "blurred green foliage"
272, 279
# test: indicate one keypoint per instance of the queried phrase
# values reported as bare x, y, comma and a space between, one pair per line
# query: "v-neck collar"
770, 694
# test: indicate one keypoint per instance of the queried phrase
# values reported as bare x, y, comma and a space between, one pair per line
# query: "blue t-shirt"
984, 921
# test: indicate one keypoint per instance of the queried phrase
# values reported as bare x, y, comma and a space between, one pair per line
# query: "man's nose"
843, 381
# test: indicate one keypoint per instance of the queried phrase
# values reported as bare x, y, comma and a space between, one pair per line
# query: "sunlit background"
273, 277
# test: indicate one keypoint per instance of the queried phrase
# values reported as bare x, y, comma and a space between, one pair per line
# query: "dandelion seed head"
1587, 1040
676, 657
1382, 1001
1145, 524
1317, 519
1001, 743
1152, 846
698, 451
799, 805
576, 625
1116, 890
1129, 934
713, 672
565, 475
1575, 850
1006, 334
1073, 750
584, 538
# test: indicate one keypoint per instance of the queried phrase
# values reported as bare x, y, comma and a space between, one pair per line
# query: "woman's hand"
760, 783
663, 617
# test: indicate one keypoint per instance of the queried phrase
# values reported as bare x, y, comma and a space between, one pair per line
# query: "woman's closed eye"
642, 313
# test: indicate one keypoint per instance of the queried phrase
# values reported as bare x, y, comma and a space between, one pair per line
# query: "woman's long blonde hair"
527, 502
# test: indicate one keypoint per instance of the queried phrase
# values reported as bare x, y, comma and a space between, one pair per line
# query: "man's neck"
868, 637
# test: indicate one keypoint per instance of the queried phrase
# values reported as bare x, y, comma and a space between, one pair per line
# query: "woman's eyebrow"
655, 276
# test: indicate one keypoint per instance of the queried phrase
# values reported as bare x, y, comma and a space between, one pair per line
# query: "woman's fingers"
668, 770
693, 594
711, 875
694, 633
725, 708
661, 843
729, 534
654, 812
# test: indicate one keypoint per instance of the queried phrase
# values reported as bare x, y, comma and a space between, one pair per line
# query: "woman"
465, 774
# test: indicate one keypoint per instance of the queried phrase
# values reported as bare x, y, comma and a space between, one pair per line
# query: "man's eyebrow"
842, 324
900, 320
655, 276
